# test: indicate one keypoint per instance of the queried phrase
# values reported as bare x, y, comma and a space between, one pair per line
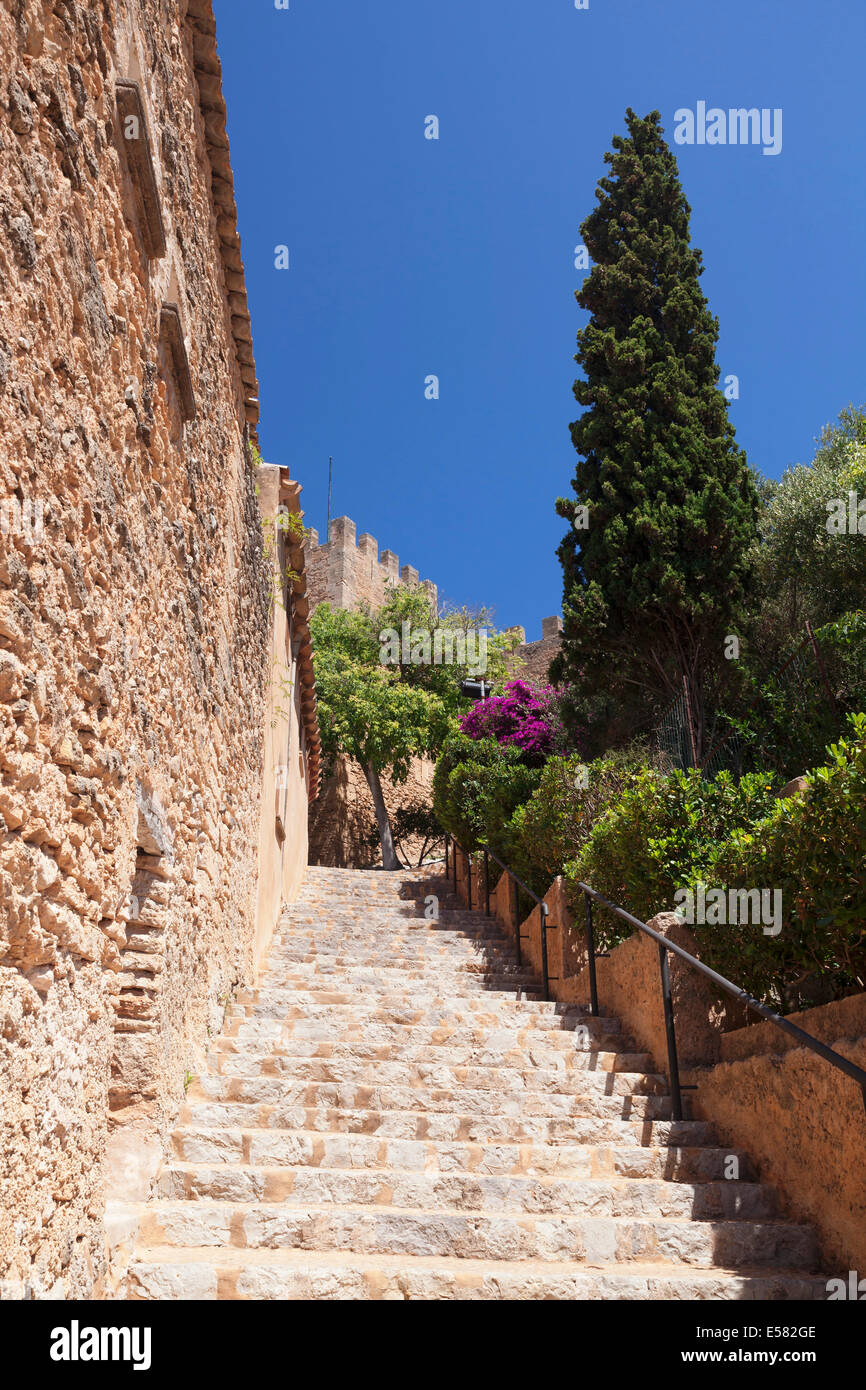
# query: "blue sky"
411, 257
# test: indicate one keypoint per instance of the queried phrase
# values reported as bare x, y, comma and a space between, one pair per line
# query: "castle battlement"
347, 573
536, 656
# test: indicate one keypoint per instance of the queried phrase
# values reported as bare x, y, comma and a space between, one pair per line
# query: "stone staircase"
393, 1113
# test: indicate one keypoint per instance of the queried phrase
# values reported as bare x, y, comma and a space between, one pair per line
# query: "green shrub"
663, 834
812, 848
843, 650
791, 719
477, 786
555, 823
668, 833
802, 570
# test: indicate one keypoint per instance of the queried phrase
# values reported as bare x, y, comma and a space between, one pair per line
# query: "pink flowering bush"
522, 718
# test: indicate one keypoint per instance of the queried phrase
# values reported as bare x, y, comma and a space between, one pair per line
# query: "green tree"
477, 787
411, 605
656, 561
366, 711
382, 716
804, 570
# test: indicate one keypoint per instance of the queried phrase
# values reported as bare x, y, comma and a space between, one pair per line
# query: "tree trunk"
389, 854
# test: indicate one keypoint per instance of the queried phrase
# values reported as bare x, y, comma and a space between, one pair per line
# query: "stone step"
577, 1032
418, 943
395, 1112
414, 947
339, 912
293, 1105
489, 1089
262, 1058
395, 973
555, 1197
409, 927
358, 1151
449, 1128
418, 940
349, 910
355, 888
475, 1234
167, 1274
402, 915
440, 983
404, 931
341, 905
386, 996
474, 973
599, 1036
485, 1009
344, 965
552, 1081
400, 919
476, 1012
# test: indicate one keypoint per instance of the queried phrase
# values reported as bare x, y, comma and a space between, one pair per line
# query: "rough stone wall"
531, 660
291, 762
349, 575
343, 817
133, 627
800, 1119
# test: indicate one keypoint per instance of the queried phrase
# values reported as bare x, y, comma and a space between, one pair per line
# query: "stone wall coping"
208, 73
841, 1018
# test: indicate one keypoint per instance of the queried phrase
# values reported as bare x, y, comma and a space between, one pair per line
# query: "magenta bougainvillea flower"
521, 718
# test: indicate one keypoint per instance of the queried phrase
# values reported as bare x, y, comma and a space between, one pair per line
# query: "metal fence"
674, 734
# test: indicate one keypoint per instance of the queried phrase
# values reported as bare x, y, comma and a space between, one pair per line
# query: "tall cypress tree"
655, 563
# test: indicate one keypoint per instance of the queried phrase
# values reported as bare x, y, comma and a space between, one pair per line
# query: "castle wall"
134, 621
350, 573
534, 658
343, 818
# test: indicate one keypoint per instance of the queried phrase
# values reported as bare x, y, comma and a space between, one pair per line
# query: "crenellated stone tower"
537, 656
348, 574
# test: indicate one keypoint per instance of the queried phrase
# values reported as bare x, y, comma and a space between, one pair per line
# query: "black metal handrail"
546, 924
806, 1039
665, 947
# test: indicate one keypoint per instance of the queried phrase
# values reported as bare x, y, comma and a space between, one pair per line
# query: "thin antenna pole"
330, 477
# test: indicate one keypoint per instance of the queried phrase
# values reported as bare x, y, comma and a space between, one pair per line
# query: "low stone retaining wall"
801, 1121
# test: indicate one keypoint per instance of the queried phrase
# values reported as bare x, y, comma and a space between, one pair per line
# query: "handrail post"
447, 842
514, 909
673, 1064
454, 865
487, 883
469, 881
590, 958
545, 977
667, 947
